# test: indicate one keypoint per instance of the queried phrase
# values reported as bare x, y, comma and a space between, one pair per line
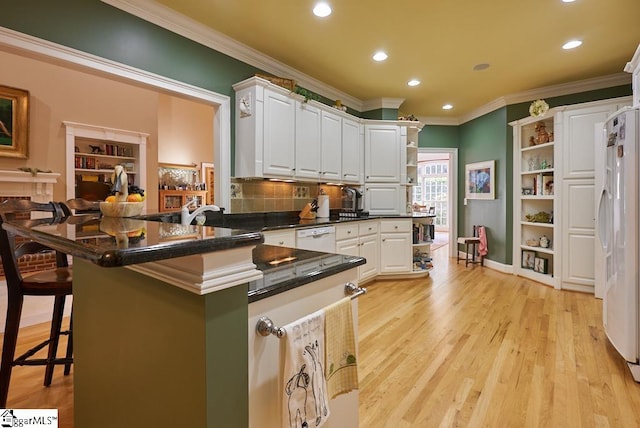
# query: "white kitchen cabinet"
352, 151
265, 394
308, 132
280, 238
279, 134
383, 153
578, 139
265, 130
633, 67
395, 246
360, 239
331, 147
385, 199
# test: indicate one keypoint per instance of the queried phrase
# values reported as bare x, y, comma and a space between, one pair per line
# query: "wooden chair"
473, 242
55, 282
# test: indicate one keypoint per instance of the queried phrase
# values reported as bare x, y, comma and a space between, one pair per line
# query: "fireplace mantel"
38, 187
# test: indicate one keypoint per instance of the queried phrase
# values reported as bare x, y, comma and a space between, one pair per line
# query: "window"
432, 189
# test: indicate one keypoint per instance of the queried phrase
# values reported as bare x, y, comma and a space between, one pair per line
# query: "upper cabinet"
352, 151
281, 135
382, 153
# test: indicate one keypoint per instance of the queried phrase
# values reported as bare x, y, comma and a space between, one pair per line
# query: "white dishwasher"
322, 238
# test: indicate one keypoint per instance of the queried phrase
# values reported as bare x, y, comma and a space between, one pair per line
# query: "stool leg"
67, 367
54, 337
14, 310
466, 256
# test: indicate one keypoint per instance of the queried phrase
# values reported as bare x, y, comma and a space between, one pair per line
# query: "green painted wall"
439, 136
483, 139
381, 114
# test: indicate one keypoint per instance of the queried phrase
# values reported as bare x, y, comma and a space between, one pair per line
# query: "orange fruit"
134, 197
111, 198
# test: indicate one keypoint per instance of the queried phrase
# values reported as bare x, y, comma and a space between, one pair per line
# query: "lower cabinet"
395, 246
360, 239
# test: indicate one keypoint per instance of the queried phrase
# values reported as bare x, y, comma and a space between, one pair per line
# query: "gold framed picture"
14, 122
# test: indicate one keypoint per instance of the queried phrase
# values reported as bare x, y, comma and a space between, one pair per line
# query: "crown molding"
175, 22
631, 65
442, 121
379, 103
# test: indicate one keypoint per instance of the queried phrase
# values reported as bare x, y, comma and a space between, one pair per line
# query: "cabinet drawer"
392, 226
280, 238
346, 231
367, 228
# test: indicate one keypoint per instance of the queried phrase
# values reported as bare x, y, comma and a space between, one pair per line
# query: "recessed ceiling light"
447, 107
380, 56
413, 82
322, 9
568, 1
572, 44
481, 66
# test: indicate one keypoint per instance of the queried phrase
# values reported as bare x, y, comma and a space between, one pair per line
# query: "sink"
213, 218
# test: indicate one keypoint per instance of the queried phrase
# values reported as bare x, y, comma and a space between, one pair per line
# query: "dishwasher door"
317, 239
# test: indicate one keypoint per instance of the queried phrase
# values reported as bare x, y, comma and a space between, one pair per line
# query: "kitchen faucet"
186, 218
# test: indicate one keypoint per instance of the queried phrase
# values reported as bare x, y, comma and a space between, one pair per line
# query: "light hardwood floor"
467, 347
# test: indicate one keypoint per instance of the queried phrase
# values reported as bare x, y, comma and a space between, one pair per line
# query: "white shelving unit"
422, 248
95, 150
534, 169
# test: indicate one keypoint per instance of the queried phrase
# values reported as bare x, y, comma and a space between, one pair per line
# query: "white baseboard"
35, 310
500, 267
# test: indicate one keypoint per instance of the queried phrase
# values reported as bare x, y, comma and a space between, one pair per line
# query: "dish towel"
305, 400
341, 361
483, 249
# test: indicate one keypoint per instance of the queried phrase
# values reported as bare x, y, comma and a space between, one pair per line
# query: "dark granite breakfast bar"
161, 314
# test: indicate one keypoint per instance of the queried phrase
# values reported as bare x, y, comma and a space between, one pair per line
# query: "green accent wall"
483, 139
439, 136
381, 114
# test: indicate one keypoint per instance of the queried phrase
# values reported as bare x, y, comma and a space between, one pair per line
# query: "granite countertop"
111, 241
287, 268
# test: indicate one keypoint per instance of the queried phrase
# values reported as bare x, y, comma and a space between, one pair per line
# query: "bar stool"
473, 242
55, 282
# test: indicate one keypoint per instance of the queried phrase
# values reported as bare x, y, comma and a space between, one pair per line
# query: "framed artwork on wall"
480, 180
14, 122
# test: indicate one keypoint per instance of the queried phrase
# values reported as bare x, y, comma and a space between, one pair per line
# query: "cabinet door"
382, 154
307, 141
352, 151
331, 147
369, 249
395, 252
384, 199
348, 247
578, 140
279, 135
578, 225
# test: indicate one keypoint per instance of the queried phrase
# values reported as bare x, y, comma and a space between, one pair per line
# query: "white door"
382, 153
279, 134
307, 153
578, 225
352, 151
369, 250
331, 147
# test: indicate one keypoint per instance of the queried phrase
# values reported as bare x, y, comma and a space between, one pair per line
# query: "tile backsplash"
267, 196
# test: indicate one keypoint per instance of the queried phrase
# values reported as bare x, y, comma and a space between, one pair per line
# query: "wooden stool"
473, 242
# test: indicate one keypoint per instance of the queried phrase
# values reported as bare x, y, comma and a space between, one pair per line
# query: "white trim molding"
222, 114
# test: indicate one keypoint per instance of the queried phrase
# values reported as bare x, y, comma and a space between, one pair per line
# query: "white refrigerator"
617, 231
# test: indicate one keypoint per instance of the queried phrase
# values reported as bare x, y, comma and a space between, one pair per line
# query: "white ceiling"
435, 41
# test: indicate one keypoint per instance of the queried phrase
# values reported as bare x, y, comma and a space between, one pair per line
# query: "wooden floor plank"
464, 347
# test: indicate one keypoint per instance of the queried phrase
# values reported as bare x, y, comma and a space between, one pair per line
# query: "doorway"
436, 187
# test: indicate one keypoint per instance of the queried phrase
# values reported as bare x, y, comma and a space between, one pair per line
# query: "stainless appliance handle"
603, 220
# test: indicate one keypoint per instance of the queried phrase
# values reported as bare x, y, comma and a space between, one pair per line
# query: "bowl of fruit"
120, 205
